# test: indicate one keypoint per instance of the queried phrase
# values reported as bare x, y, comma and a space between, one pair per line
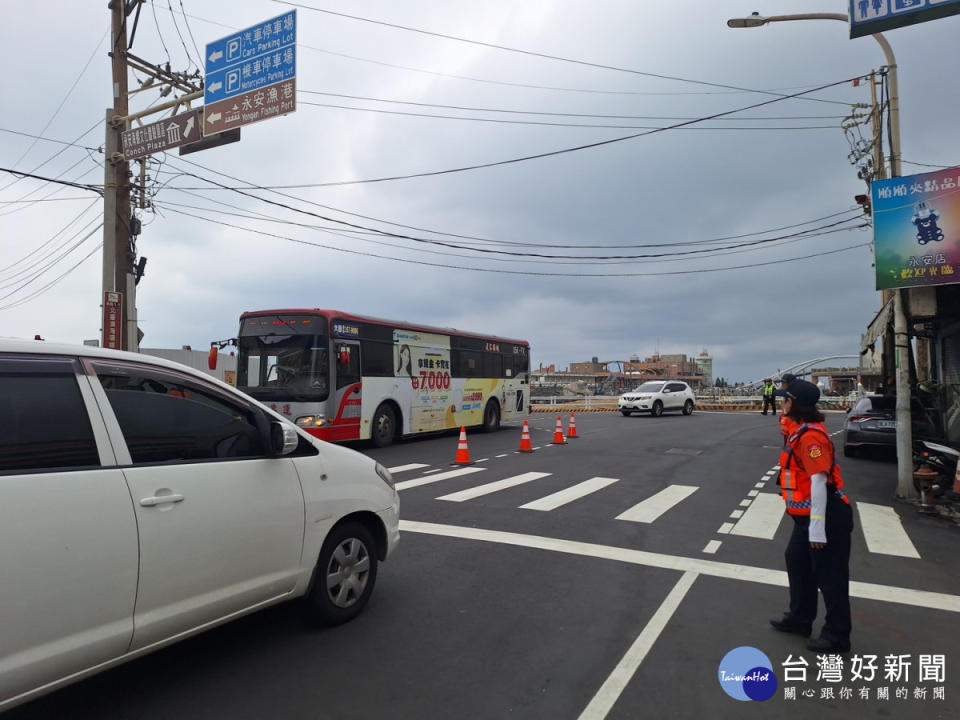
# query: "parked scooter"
940, 458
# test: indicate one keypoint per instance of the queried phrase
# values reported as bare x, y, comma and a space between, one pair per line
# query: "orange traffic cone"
525, 445
463, 452
573, 426
558, 438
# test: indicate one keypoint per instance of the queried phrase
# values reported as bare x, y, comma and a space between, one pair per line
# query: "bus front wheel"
384, 426
491, 416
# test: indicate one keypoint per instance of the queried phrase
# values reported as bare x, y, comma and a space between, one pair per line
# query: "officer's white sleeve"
818, 507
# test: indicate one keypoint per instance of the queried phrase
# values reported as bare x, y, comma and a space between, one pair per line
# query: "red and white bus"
348, 377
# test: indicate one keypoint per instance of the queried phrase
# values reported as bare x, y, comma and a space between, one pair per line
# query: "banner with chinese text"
916, 229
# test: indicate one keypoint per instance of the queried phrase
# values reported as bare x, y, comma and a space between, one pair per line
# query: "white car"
142, 501
656, 396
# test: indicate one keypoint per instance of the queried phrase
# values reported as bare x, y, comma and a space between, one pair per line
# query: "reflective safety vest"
795, 483
768, 390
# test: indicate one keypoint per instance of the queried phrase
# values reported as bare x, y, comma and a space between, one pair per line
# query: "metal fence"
608, 403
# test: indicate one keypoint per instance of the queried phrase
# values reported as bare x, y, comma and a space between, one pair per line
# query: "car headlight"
311, 421
384, 474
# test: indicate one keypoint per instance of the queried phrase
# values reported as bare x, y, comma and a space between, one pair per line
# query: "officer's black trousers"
827, 569
768, 400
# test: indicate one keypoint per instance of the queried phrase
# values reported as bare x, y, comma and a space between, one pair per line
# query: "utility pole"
119, 326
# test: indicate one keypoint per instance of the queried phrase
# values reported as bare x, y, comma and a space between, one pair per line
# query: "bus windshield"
284, 367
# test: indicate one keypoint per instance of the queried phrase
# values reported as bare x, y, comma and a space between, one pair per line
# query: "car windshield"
650, 387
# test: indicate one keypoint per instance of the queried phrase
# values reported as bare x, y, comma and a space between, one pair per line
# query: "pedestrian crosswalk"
758, 516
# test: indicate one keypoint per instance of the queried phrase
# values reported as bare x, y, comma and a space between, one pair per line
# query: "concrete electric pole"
118, 298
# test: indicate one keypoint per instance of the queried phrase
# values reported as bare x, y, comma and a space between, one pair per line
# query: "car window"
44, 421
650, 387
676, 387
168, 419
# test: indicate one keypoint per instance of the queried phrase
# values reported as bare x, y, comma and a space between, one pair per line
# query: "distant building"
705, 367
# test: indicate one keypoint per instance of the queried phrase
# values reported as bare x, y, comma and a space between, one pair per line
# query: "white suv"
142, 501
655, 396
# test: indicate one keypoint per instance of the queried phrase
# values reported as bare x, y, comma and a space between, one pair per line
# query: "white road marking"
481, 460
558, 499
503, 456
725, 528
884, 532
736, 514
760, 485
437, 478
435, 470
480, 490
753, 493
404, 468
745, 503
714, 568
712, 546
762, 518
608, 694
769, 474
656, 505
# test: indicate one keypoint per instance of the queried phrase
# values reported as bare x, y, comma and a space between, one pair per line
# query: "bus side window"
348, 365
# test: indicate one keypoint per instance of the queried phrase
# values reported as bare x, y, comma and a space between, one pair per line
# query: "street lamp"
901, 341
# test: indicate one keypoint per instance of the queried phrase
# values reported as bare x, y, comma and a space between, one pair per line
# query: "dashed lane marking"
884, 532
762, 518
406, 484
404, 468
558, 499
481, 490
656, 505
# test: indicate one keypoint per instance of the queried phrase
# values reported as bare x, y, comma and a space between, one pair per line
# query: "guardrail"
608, 403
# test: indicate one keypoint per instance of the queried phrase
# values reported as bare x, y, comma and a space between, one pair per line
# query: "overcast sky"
549, 249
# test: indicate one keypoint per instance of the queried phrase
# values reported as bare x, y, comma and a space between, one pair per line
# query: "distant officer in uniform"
768, 399
818, 554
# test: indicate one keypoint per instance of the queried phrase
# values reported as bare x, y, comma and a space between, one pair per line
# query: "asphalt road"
606, 578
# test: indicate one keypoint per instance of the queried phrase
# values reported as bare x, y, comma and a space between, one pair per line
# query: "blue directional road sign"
873, 16
251, 59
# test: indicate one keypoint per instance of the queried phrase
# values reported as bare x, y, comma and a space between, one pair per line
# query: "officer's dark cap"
801, 392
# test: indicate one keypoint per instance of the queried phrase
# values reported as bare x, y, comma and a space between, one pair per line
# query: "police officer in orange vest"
818, 554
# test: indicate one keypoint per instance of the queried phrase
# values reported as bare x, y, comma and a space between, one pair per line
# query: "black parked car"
872, 424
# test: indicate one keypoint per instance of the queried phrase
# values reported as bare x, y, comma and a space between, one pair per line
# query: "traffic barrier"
558, 438
573, 426
525, 445
463, 452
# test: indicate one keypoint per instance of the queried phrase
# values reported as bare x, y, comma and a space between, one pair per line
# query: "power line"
550, 153
540, 259
253, 186
37, 249
59, 108
424, 263
543, 123
532, 53
558, 114
22, 174
526, 86
46, 139
45, 288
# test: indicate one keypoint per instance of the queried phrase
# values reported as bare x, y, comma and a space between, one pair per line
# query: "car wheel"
657, 409
384, 426
688, 407
344, 577
626, 413
491, 416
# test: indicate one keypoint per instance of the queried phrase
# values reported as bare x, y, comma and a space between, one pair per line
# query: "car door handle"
160, 500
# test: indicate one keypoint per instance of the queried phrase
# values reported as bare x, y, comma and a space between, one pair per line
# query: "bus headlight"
311, 421
384, 475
